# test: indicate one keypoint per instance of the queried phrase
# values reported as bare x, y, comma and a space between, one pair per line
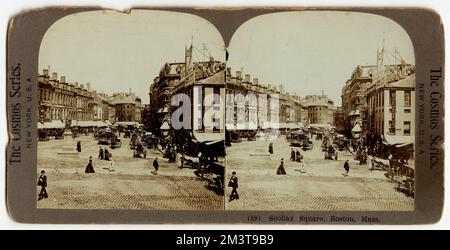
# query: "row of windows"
406, 98
61, 99
406, 127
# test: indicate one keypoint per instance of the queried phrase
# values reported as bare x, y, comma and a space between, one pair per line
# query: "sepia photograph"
129, 112
150, 110
320, 113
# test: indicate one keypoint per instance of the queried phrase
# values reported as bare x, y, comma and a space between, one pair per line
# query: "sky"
115, 52
311, 51
306, 52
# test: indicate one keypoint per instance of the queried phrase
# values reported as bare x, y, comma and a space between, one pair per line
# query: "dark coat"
281, 170
155, 164
42, 181
233, 182
346, 166
89, 168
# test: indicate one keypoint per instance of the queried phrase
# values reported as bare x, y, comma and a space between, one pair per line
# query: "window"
392, 98
391, 127
407, 98
407, 128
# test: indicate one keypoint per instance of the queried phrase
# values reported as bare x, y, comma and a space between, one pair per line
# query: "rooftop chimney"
55, 76
88, 86
63, 79
238, 74
46, 72
247, 77
76, 84
82, 86
255, 81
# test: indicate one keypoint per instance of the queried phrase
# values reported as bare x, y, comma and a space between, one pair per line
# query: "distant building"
320, 109
339, 120
127, 107
353, 97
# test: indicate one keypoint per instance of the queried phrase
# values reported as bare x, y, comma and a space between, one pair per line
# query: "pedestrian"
281, 170
292, 155
182, 160
100, 153
233, 183
89, 167
107, 155
271, 148
42, 181
155, 165
79, 147
302, 165
111, 166
390, 158
346, 167
298, 156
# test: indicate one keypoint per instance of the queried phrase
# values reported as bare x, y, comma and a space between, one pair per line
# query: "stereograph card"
239, 115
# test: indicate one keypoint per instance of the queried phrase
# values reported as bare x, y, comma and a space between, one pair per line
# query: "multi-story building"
60, 100
160, 92
127, 107
251, 105
202, 83
353, 97
339, 120
391, 106
320, 109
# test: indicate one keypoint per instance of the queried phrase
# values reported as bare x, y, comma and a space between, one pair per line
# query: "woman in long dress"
281, 170
89, 167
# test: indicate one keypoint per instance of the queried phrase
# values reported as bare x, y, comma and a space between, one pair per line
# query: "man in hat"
292, 155
43, 183
346, 167
233, 183
155, 165
100, 153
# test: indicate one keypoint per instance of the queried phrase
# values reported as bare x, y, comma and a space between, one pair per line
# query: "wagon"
331, 154
139, 151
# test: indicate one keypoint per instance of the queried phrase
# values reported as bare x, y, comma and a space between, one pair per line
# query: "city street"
322, 188
130, 186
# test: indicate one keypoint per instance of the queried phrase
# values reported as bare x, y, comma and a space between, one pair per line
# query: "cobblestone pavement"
130, 186
322, 188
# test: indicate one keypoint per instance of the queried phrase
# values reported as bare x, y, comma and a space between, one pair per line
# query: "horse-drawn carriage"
331, 153
139, 151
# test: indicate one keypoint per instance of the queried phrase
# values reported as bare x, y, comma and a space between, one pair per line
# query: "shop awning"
320, 125
51, 125
230, 127
209, 137
246, 126
165, 126
83, 124
356, 128
398, 140
127, 124
101, 124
